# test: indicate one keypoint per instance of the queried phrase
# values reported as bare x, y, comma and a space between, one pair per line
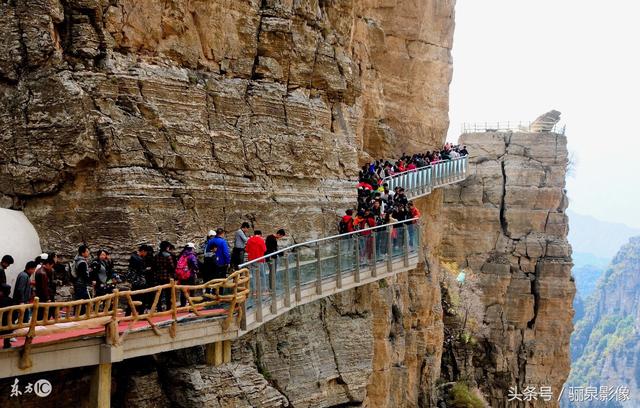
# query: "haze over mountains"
594, 241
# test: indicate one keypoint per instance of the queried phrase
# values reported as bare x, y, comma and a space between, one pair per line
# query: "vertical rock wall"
126, 121
507, 224
129, 121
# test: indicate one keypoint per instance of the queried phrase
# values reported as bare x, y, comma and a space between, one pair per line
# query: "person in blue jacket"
223, 256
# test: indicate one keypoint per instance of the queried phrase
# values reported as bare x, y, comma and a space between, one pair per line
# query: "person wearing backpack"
209, 265
187, 269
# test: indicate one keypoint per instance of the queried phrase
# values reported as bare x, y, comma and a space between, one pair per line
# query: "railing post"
298, 278
390, 249
287, 292
374, 254
243, 321
418, 234
356, 246
258, 291
339, 262
113, 337
406, 244
436, 168
318, 270
272, 284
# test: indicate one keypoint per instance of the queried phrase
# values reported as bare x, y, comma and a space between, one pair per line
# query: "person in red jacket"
368, 220
414, 213
256, 248
346, 222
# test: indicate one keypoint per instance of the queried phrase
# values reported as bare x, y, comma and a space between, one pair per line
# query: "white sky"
516, 59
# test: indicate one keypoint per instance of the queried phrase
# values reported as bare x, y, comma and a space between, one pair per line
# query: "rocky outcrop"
506, 223
127, 121
545, 122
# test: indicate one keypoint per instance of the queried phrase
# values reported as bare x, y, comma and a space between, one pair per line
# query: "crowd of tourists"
96, 275
377, 205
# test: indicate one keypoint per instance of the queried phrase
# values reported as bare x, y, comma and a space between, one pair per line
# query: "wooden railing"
107, 310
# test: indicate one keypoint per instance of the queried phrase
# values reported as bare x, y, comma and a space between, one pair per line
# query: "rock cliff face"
128, 121
506, 223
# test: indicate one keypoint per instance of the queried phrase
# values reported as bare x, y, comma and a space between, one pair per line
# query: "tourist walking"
136, 276
187, 269
209, 265
22, 288
165, 270
6, 301
102, 273
272, 247
256, 248
5, 263
240, 241
42, 284
80, 271
223, 257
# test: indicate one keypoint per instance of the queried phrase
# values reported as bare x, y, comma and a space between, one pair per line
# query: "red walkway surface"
122, 327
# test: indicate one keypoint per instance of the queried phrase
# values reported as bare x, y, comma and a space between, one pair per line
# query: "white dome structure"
19, 239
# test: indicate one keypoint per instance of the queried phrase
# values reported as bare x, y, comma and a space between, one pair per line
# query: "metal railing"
513, 126
423, 180
314, 269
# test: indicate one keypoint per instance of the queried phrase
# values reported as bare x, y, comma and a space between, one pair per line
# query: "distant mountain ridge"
605, 346
601, 239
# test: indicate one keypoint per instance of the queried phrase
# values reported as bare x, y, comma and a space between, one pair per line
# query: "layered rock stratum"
127, 121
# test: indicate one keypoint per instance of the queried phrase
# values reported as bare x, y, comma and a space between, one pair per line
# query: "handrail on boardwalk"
107, 311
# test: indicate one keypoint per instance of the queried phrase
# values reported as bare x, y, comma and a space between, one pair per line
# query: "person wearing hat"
187, 269
223, 257
209, 265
